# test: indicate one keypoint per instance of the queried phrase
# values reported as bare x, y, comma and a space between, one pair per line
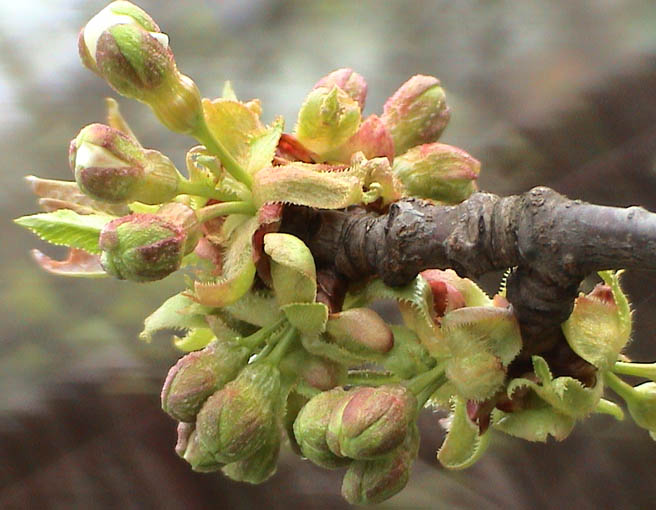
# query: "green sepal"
565, 394
292, 269
309, 318
67, 228
598, 328
482, 341
464, 445
258, 467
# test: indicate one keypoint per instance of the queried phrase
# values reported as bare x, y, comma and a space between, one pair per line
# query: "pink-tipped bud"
439, 172
349, 81
416, 113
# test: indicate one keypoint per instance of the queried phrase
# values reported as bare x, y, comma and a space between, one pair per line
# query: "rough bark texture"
551, 243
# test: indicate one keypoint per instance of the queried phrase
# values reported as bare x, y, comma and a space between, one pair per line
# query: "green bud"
311, 425
113, 167
295, 402
439, 172
349, 81
258, 467
369, 482
327, 119
371, 422
239, 419
189, 448
416, 113
361, 331
198, 375
125, 46
640, 400
148, 247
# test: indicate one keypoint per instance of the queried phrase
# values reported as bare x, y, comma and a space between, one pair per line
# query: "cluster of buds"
277, 345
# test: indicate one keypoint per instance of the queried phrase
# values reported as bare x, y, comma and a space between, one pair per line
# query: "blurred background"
560, 93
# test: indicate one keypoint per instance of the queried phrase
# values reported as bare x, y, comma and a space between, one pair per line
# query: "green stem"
223, 209
607, 407
204, 136
424, 395
370, 378
186, 187
422, 381
260, 336
646, 370
620, 387
282, 346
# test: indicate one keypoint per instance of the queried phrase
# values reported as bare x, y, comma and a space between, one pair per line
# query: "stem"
370, 378
259, 337
607, 407
422, 381
204, 136
223, 209
282, 346
186, 187
424, 395
646, 370
620, 387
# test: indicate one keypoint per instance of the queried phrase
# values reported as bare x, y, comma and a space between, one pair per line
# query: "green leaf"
194, 340
258, 307
262, 147
67, 228
238, 269
307, 184
292, 268
534, 424
179, 312
309, 318
463, 445
565, 394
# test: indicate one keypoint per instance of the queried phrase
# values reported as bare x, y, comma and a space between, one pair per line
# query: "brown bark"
550, 241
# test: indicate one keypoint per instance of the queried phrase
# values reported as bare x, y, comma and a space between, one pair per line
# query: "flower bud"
439, 172
239, 419
198, 375
349, 81
370, 422
416, 113
369, 482
126, 47
113, 167
311, 425
327, 119
144, 247
258, 467
446, 297
642, 405
361, 331
190, 449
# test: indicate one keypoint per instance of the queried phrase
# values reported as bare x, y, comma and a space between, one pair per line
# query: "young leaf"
67, 228
79, 263
179, 312
306, 184
292, 268
262, 147
195, 339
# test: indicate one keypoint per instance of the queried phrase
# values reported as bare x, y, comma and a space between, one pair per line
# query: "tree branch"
551, 242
